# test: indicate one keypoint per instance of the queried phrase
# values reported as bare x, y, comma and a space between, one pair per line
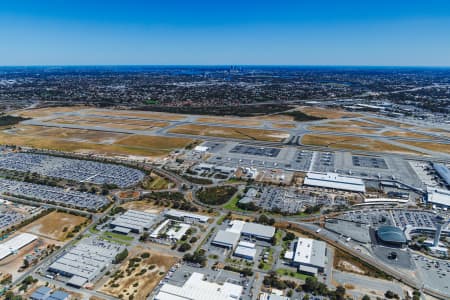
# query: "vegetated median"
301, 116
217, 195
8, 120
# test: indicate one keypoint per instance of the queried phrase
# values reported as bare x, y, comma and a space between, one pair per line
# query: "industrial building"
85, 261
16, 243
45, 293
335, 181
438, 197
134, 221
391, 236
185, 216
308, 256
253, 230
196, 288
227, 239
245, 250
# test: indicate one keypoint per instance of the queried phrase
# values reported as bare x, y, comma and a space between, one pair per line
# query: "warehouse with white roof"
227, 239
15, 244
309, 256
254, 230
195, 288
133, 220
335, 181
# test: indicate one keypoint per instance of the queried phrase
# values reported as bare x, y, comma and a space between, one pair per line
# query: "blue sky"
315, 32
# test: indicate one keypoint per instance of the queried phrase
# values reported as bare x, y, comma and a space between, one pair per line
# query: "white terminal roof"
438, 197
201, 148
335, 181
184, 214
310, 252
15, 244
195, 288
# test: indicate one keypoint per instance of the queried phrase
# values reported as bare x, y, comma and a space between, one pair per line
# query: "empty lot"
231, 132
55, 225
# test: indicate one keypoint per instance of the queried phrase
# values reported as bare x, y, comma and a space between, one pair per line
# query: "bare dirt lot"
55, 225
231, 132
139, 274
142, 205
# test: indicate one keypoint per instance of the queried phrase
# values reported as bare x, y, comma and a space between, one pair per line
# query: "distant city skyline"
314, 33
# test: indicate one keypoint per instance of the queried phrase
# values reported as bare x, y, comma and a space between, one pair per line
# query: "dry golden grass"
445, 133
328, 113
354, 123
352, 143
275, 117
111, 123
157, 143
43, 112
55, 225
71, 146
230, 121
137, 284
142, 205
433, 146
389, 123
231, 132
348, 129
91, 141
283, 125
69, 134
139, 114
408, 134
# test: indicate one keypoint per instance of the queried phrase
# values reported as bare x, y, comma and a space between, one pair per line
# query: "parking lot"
369, 162
72, 169
434, 274
288, 200
52, 194
403, 218
373, 217
258, 151
323, 161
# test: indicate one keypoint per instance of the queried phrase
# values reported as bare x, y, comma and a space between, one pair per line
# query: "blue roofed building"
59, 295
41, 293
